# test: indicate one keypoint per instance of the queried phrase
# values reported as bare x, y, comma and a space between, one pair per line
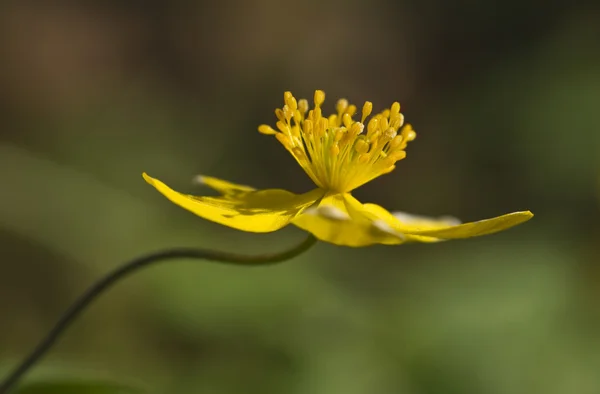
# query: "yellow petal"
343, 220
468, 230
406, 226
425, 229
226, 188
340, 219
254, 211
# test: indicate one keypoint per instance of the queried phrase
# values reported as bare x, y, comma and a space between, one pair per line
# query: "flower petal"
226, 188
403, 227
254, 211
468, 230
341, 219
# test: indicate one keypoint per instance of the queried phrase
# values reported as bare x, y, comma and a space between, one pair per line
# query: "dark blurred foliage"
503, 95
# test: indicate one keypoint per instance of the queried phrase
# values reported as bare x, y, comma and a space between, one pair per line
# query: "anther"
283, 127
384, 124
290, 101
395, 156
396, 121
297, 116
375, 136
361, 146
279, 114
347, 120
357, 128
303, 106
372, 126
389, 134
364, 158
341, 106
335, 149
323, 126
284, 140
408, 133
351, 110
265, 129
287, 112
319, 97
396, 142
308, 127
366, 110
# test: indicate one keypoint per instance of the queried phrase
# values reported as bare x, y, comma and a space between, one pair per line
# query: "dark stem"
124, 270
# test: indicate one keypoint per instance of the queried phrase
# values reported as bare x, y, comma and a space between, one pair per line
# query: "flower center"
334, 151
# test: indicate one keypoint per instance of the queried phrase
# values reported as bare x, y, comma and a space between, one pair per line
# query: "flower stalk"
98, 288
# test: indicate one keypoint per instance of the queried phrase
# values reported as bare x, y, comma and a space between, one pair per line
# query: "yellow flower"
339, 155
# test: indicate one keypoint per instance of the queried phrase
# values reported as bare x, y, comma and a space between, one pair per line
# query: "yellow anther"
396, 121
375, 136
308, 127
283, 127
384, 124
334, 150
290, 101
397, 155
323, 125
366, 111
364, 158
408, 133
356, 128
395, 108
361, 146
396, 142
295, 132
288, 113
347, 120
386, 113
285, 141
303, 106
297, 116
388, 135
319, 98
394, 157
341, 106
268, 130
372, 126
351, 110
339, 134
279, 114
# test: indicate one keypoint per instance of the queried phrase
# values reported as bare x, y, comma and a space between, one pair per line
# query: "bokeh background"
504, 97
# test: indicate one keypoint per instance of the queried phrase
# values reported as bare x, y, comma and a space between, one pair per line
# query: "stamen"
319, 98
303, 106
290, 101
333, 150
366, 111
265, 129
341, 106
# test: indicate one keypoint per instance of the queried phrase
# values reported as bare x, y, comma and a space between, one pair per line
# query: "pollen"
337, 152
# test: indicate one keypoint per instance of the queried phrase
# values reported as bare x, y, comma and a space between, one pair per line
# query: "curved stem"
124, 270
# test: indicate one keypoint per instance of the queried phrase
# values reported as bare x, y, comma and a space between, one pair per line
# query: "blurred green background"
504, 97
